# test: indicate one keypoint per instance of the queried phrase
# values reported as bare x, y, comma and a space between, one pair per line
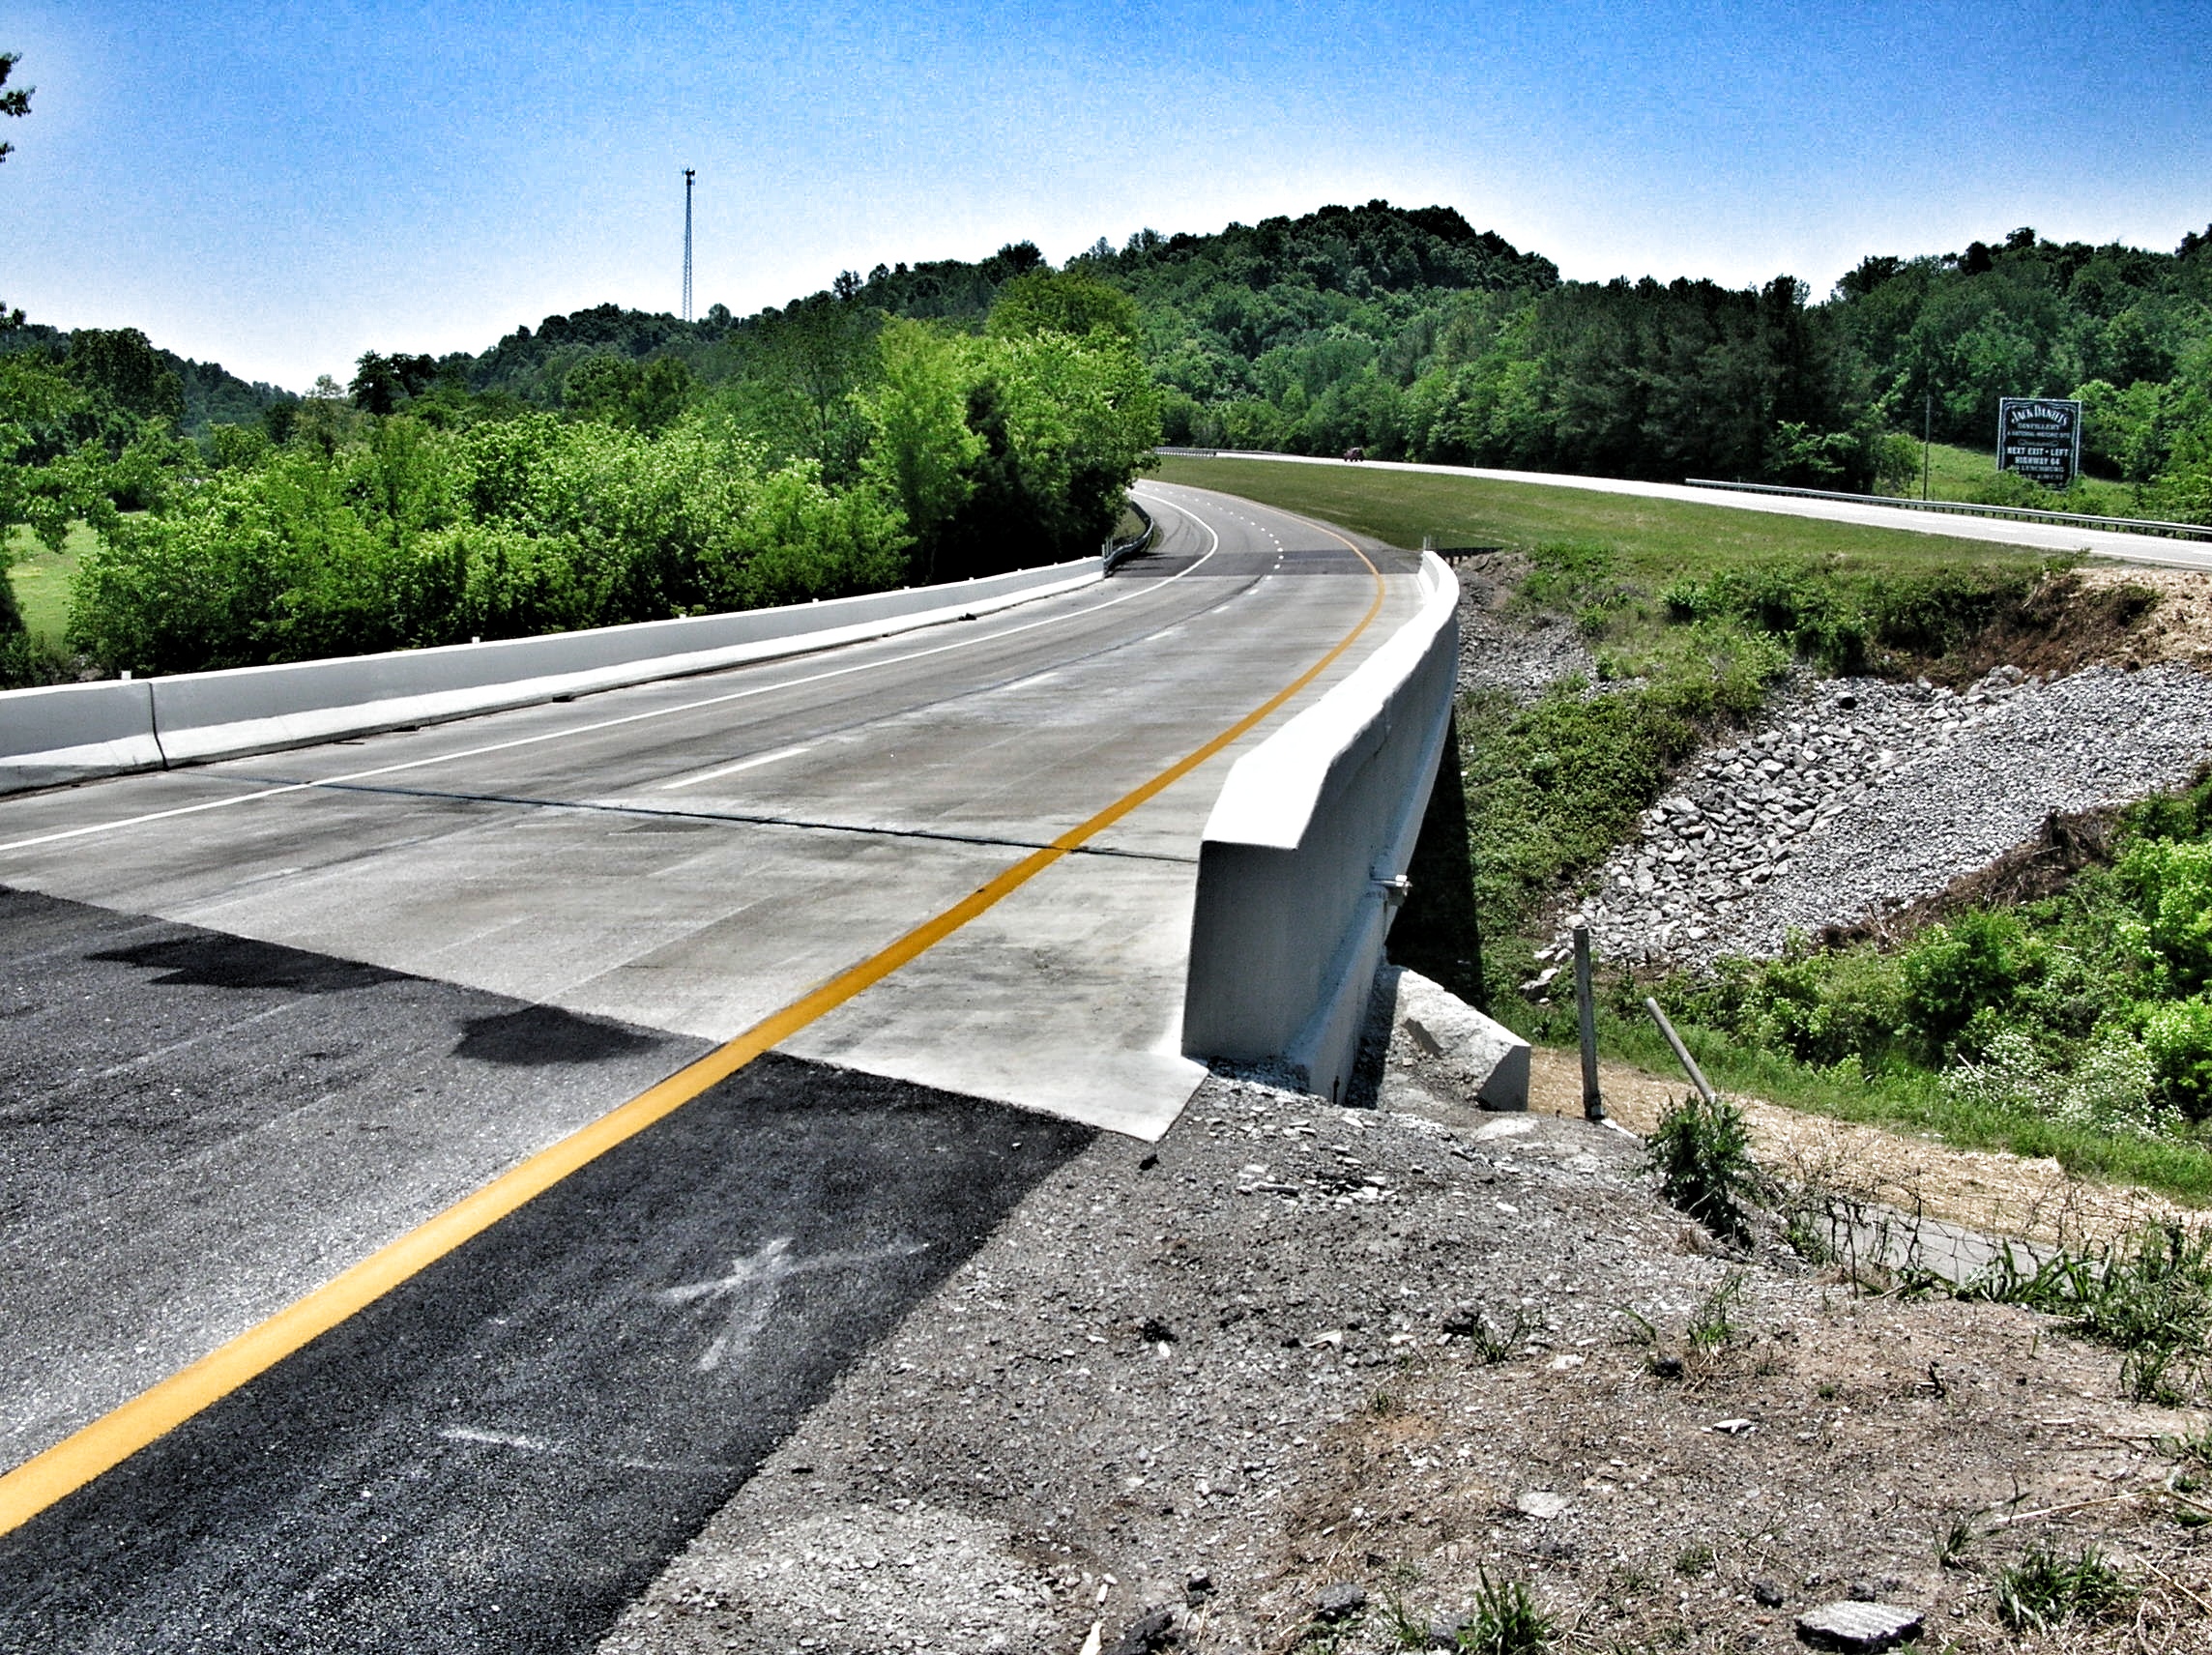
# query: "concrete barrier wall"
70, 731
78, 731
1300, 868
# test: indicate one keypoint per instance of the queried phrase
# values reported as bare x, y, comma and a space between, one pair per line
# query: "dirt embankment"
1293, 1349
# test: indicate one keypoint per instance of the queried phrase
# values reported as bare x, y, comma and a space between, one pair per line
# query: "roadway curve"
270, 1021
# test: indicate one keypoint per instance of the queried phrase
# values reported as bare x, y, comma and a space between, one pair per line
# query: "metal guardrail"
1120, 552
1974, 508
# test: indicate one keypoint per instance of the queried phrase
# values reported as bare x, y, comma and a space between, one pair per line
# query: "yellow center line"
108, 1441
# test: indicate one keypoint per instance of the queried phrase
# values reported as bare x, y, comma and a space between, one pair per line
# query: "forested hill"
196, 394
1232, 295
1410, 334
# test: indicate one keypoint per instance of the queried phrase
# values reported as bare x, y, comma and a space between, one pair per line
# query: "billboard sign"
2040, 437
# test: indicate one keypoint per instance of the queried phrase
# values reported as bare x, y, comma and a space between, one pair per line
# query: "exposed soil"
2117, 616
1223, 1376
2116, 625
1984, 1189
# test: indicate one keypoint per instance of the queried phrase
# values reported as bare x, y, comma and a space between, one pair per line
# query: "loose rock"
1858, 1626
1860, 795
1339, 1602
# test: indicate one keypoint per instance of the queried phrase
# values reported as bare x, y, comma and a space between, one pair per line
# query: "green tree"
922, 451
383, 385
120, 367
1069, 301
15, 102
639, 397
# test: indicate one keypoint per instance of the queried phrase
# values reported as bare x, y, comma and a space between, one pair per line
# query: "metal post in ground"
1586, 1013
1682, 1052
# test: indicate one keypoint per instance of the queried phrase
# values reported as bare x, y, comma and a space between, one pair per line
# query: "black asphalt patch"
211, 959
547, 1035
501, 1452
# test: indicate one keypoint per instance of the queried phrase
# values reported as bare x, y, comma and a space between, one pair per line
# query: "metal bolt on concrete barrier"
1586, 1013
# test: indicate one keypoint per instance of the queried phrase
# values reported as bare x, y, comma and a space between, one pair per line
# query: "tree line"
1409, 334
838, 449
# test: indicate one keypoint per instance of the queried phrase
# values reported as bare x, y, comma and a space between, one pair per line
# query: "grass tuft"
1713, 1324
1506, 1621
2044, 1590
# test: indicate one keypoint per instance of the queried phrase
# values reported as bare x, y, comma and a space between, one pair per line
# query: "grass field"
1653, 541
1955, 472
41, 581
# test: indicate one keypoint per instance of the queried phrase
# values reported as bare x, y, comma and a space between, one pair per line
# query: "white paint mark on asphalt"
753, 1284
499, 1439
746, 694
753, 763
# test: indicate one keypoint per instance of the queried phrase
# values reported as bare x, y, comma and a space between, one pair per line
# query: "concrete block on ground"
1488, 1061
1426, 1051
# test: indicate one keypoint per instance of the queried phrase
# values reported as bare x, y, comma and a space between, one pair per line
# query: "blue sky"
283, 186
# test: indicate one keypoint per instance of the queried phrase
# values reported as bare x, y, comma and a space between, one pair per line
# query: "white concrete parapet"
1304, 857
74, 732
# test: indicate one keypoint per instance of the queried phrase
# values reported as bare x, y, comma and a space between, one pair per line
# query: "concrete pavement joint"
747, 819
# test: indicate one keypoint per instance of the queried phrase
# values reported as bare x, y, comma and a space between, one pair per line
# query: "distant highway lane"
318, 1331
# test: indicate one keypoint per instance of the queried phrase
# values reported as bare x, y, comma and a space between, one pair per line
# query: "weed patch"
1713, 1324
1702, 1155
2044, 1590
1507, 1621
2148, 1298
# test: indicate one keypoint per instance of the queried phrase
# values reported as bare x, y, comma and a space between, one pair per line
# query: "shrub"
1713, 1324
2171, 882
2109, 1085
1566, 575
1935, 613
1802, 603
2177, 1049
1958, 970
1552, 787
1702, 1155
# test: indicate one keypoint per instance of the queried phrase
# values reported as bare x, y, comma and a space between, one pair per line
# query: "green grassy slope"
1654, 539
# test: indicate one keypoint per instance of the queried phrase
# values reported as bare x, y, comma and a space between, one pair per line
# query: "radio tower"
688, 175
